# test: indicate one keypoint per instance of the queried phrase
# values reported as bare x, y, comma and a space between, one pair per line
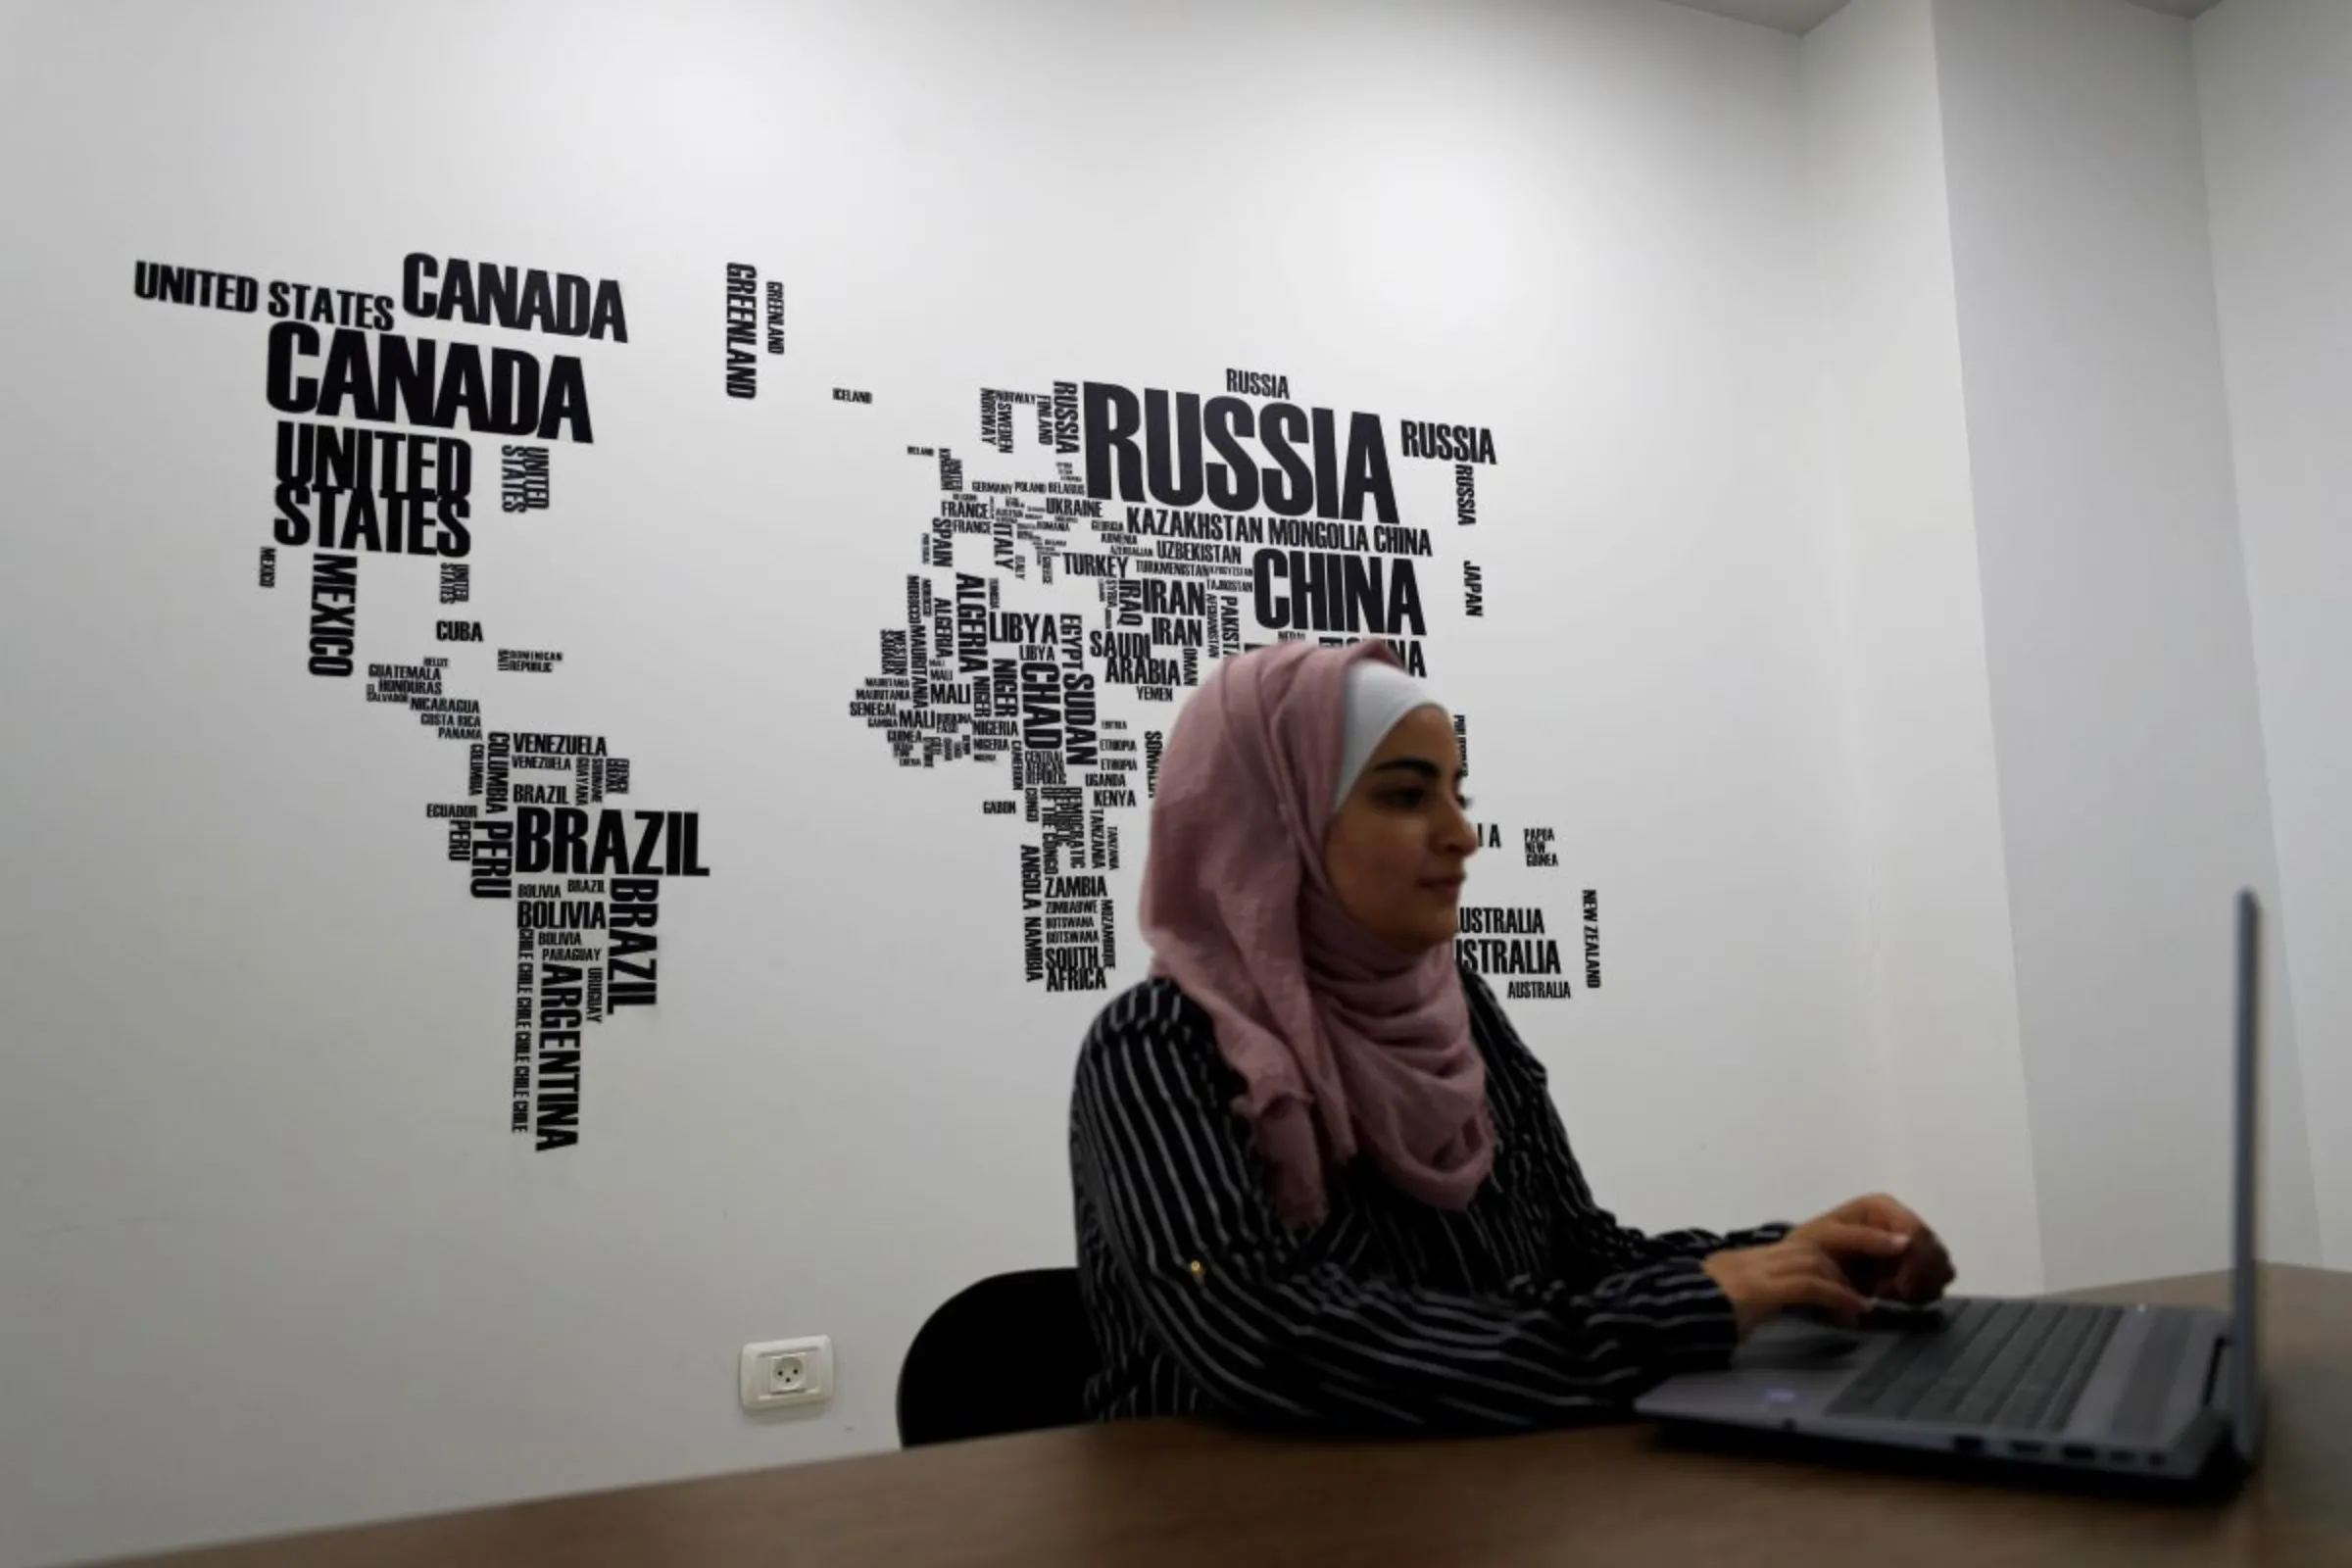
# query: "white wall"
2117, 633
2271, 80
273, 1259
1943, 979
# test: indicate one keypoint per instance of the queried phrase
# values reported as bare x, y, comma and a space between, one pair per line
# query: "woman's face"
1400, 843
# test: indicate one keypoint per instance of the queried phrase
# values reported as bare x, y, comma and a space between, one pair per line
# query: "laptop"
2160, 1393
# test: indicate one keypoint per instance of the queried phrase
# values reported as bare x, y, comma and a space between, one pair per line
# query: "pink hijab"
1345, 1045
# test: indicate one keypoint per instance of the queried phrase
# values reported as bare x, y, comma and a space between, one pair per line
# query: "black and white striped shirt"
1530, 1307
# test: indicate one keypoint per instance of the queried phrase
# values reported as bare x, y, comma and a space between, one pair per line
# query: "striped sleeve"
1274, 1328
1586, 1237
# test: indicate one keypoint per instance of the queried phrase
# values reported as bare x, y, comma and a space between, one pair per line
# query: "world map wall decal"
1082, 566
1100, 549
373, 468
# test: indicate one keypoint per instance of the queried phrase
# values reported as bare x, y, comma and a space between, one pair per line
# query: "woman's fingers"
1798, 1271
1824, 1289
1886, 1213
1924, 1272
1845, 1239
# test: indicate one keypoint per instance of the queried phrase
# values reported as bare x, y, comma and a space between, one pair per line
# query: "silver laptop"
2156, 1391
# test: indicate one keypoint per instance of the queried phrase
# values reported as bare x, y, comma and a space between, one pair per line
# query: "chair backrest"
1012, 1354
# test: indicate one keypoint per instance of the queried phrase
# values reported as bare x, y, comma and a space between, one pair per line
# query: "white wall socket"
782, 1372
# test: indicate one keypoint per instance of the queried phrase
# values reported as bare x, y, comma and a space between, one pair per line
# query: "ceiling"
1803, 16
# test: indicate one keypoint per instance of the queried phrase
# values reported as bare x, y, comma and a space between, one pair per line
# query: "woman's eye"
1464, 801
1405, 798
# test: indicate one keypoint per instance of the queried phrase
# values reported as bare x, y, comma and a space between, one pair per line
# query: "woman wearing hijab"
1318, 1179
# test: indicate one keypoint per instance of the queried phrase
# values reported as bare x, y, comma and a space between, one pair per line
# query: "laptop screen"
2246, 1165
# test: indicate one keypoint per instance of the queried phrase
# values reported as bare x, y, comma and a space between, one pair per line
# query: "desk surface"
1169, 1492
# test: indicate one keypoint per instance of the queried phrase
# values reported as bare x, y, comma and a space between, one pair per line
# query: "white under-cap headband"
1377, 695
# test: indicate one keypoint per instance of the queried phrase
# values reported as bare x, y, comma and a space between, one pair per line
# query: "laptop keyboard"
2021, 1365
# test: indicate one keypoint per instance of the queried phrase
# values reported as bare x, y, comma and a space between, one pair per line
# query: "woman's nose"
1457, 834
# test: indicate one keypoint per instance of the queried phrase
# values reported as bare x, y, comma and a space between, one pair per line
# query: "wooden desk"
1175, 1493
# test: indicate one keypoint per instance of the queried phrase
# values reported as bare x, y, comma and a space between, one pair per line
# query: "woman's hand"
1914, 1274
1810, 1266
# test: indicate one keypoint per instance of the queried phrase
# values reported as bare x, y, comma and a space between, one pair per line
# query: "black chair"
1012, 1354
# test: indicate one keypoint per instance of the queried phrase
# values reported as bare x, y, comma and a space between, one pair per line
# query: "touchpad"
1786, 1340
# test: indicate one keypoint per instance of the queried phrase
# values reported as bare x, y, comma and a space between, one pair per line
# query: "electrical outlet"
782, 1372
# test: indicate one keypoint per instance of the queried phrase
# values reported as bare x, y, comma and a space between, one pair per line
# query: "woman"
1318, 1179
